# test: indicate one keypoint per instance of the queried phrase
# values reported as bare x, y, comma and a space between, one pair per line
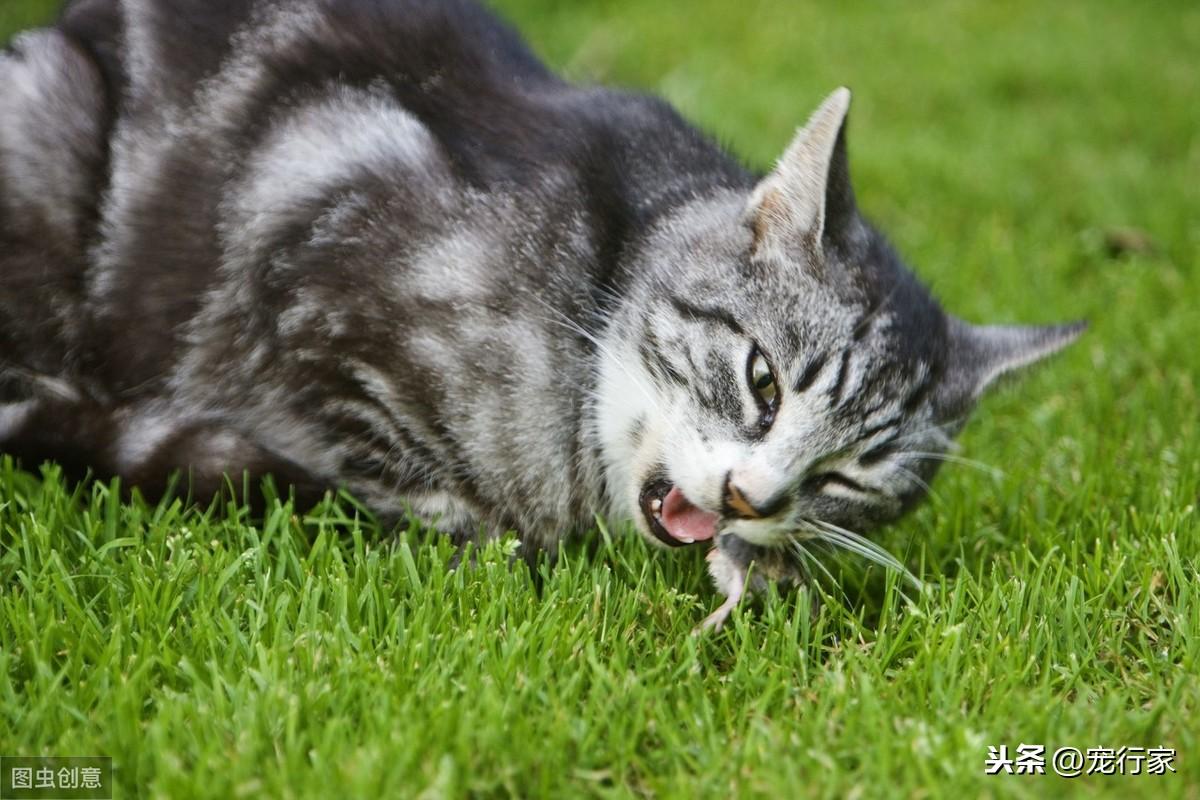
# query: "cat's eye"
762, 383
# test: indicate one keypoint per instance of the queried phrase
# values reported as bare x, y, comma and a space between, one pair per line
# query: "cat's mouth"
672, 518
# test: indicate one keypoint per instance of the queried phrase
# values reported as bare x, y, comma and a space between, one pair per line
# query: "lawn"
1009, 149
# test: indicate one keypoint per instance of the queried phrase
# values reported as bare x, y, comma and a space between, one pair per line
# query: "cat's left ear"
808, 198
980, 354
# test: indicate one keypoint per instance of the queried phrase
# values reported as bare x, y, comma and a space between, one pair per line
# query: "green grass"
313, 655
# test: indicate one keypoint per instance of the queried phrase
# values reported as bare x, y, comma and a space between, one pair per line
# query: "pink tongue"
684, 521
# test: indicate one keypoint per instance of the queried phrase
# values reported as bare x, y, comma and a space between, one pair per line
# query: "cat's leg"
211, 458
448, 514
14, 416
68, 430
456, 518
85, 437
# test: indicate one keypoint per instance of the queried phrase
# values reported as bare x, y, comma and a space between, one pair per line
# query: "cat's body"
237, 282
376, 244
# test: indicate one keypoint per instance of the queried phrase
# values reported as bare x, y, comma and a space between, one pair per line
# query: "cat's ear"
808, 197
979, 354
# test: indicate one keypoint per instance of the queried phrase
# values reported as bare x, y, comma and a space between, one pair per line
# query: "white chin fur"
759, 533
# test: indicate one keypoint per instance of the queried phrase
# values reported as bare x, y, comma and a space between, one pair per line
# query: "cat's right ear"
808, 197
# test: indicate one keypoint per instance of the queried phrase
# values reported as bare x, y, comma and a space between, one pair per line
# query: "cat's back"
237, 123
166, 48
250, 137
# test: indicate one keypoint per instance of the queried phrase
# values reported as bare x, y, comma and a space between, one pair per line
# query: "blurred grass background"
1035, 162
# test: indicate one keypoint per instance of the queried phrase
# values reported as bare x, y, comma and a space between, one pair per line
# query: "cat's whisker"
860, 545
915, 478
802, 558
649, 396
807, 555
940, 430
565, 321
878, 309
950, 458
609, 293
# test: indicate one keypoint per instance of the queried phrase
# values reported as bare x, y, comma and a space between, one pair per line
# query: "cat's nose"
737, 505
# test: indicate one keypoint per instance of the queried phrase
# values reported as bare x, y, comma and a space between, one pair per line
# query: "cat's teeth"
688, 540
656, 506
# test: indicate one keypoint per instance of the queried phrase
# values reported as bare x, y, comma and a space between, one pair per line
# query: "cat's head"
783, 368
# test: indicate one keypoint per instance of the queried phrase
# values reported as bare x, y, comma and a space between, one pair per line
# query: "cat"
378, 245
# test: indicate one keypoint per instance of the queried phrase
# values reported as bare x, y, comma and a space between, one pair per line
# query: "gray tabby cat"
377, 244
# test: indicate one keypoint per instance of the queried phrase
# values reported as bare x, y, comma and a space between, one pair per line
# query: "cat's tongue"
684, 521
